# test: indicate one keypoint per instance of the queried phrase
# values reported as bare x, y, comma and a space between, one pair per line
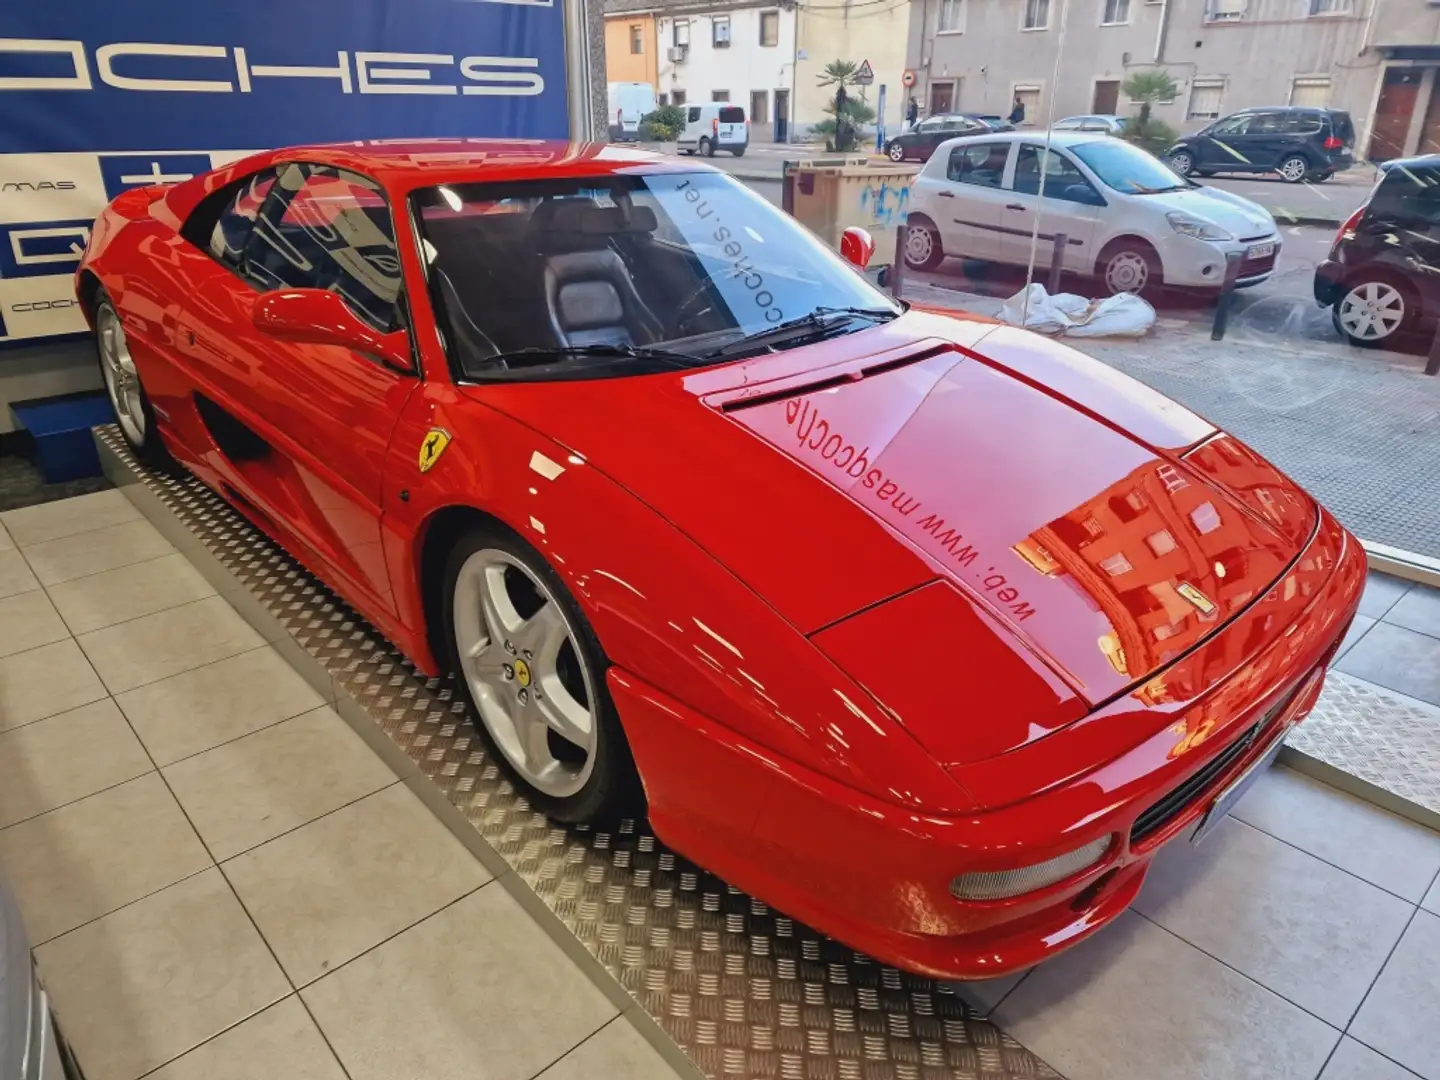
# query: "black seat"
589, 293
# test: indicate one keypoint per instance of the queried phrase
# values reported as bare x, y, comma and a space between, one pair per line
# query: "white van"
716, 126
630, 102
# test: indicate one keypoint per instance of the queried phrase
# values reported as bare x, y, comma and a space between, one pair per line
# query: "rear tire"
1129, 266
501, 644
1294, 168
707, 148
895, 152
1375, 310
133, 411
739, 151
923, 250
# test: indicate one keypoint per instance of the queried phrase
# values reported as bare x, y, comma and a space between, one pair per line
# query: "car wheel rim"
122, 382
897, 153
1372, 312
1293, 169
918, 245
1127, 272
521, 659
1182, 163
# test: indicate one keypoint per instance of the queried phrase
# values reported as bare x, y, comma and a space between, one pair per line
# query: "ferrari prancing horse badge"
432, 447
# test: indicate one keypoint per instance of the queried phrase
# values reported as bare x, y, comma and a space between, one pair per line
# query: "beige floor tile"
1313, 934
1355, 1061
15, 574
615, 1051
475, 992
96, 551
28, 621
195, 710
253, 789
67, 757
45, 681
154, 647
145, 984
281, 1043
65, 517
1134, 1002
91, 857
6, 544
114, 596
1355, 835
1399, 1017
325, 893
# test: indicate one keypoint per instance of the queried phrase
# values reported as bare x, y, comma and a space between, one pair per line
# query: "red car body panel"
932, 597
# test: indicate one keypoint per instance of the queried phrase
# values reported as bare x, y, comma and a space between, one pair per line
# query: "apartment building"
768, 57
1374, 58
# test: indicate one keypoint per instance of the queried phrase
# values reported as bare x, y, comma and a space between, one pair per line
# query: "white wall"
743, 67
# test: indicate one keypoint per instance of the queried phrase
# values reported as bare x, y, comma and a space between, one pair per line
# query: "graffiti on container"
885, 203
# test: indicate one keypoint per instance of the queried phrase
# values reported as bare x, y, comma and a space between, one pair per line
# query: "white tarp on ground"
1123, 315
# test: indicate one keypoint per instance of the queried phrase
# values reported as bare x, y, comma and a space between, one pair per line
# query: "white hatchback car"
1127, 218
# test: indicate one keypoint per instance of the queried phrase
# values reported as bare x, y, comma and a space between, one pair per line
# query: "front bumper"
876, 875
1191, 262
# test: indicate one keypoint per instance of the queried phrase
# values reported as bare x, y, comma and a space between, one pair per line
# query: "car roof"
1420, 161
1057, 138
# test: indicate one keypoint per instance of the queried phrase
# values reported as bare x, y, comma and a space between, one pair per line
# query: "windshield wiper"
819, 319
540, 354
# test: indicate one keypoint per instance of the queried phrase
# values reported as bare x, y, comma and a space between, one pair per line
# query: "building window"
1224, 10
1037, 14
720, 31
769, 28
720, 95
1311, 93
1160, 543
1116, 564
1205, 518
677, 97
1330, 7
680, 35
1205, 95
759, 106
1171, 478
952, 16
637, 40
1117, 12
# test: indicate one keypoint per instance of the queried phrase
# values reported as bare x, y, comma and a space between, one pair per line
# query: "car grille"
1251, 267
1175, 802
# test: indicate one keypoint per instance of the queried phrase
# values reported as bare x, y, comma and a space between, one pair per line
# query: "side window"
693, 115
1236, 125
220, 225
981, 164
1062, 176
324, 228
1267, 123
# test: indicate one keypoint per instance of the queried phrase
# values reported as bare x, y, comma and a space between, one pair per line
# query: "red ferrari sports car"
927, 630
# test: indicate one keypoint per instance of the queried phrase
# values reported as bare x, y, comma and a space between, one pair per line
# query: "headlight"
1188, 225
1000, 884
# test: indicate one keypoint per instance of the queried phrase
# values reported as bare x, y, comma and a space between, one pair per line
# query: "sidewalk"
1359, 429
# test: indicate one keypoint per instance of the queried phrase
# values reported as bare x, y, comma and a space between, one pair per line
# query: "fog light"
999, 884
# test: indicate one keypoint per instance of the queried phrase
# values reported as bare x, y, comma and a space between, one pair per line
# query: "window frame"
1206, 84
1309, 81
717, 40
1025, 8
1105, 6
675, 33
1329, 9
772, 19
955, 7
637, 39
764, 98
719, 97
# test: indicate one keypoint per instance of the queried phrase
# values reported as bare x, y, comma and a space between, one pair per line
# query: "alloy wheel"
1294, 169
1183, 163
919, 245
122, 382
528, 677
1371, 311
897, 152
1127, 272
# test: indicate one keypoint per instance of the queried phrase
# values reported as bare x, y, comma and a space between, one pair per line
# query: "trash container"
831, 194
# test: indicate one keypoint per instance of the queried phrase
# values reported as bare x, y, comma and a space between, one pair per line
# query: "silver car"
30, 1046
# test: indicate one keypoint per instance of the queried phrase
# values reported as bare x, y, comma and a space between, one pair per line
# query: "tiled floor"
222, 880
1395, 641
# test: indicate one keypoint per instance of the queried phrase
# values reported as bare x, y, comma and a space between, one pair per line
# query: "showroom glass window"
325, 228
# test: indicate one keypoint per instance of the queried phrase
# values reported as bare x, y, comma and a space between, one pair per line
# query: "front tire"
895, 152
1129, 266
1294, 169
533, 673
1375, 310
133, 411
923, 250
1183, 162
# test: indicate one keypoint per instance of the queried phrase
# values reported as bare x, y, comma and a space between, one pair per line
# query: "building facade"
630, 49
1373, 58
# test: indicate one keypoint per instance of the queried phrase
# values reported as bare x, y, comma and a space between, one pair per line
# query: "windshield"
1128, 169
618, 271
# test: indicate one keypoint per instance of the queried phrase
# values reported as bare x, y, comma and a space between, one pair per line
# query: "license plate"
1227, 799
1260, 251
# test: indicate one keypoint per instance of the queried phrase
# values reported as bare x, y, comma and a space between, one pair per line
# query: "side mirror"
856, 247
321, 317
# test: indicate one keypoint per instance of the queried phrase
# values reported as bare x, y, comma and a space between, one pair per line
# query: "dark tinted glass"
324, 228
733, 115
1342, 128
232, 228
1408, 196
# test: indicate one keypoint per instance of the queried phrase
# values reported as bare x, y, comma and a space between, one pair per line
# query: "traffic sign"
908, 78
866, 75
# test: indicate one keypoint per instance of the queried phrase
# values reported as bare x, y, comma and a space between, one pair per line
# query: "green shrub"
664, 124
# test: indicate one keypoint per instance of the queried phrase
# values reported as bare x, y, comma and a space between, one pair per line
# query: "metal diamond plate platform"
1385, 740
743, 990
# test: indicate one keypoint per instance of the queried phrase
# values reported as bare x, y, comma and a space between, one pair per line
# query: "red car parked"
927, 630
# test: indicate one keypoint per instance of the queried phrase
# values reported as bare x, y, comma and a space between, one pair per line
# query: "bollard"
1227, 293
1432, 362
1057, 261
897, 268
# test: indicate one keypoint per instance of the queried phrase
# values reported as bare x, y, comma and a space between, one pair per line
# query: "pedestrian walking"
912, 112
1017, 114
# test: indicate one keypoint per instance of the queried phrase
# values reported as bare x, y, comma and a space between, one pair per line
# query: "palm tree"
1148, 87
840, 74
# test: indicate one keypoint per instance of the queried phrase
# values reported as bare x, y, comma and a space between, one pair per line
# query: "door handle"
1013, 206
946, 194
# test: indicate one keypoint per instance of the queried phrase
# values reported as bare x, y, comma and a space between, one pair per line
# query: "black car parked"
1298, 143
1382, 278
920, 142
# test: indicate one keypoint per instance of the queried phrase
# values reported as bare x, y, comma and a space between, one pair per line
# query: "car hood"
1234, 213
1044, 491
